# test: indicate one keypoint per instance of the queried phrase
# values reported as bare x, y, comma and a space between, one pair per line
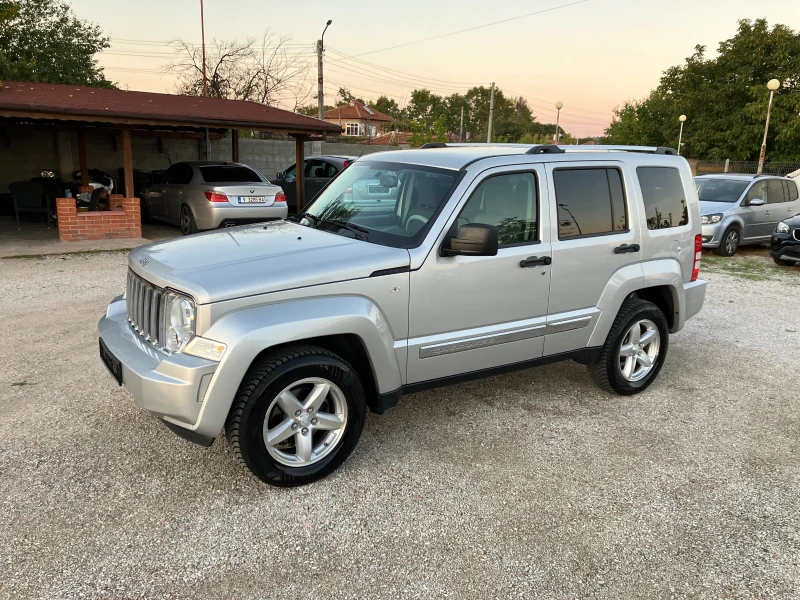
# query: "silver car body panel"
419, 315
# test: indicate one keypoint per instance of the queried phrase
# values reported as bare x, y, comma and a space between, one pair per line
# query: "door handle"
533, 261
626, 248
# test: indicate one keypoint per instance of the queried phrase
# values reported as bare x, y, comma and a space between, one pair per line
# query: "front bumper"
165, 385
784, 246
712, 235
208, 216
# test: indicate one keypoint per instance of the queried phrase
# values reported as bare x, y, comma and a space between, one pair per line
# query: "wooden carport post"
235, 145
300, 181
127, 161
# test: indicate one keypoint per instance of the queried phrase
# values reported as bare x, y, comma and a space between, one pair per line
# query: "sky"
592, 55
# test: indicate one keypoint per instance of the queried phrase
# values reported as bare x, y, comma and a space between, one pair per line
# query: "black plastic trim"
190, 436
546, 149
391, 399
433, 145
666, 150
393, 271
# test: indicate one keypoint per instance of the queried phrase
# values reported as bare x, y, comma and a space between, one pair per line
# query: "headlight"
205, 348
711, 219
179, 321
782, 228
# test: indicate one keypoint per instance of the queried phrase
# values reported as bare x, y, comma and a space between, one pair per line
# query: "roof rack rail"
642, 149
532, 149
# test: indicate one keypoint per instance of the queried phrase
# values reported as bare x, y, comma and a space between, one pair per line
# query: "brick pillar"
66, 213
134, 217
115, 202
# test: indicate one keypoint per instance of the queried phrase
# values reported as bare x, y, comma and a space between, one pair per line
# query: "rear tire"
274, 442
188, 224
639, 335
730, 242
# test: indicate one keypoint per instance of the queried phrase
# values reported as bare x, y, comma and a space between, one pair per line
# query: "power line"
531, 98
412, 75
437, 37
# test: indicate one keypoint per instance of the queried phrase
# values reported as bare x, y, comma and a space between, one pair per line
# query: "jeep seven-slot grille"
145, 304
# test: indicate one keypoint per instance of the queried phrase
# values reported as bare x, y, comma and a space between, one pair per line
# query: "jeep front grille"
145, 305
796, 233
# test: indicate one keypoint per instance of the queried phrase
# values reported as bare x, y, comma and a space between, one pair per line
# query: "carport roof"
81, 103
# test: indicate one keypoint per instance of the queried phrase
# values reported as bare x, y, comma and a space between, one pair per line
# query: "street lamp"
559, 106
682, 119
320, 86
772, 85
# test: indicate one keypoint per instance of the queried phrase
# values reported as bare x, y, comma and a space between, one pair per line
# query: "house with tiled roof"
357, 119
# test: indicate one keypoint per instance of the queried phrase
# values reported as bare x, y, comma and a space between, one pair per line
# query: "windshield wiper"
349, 226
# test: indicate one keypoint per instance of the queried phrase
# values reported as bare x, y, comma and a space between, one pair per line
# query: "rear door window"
229, 174
775, 191
590, 202
663, 196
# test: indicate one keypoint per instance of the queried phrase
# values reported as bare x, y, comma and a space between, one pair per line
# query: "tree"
725, 99
259, 70
344, 96
43, 41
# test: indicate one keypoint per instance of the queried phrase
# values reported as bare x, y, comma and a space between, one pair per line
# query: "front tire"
297, 416
730, 242
188, 224
634, 351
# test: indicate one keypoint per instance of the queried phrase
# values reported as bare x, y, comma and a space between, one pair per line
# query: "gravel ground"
533, 484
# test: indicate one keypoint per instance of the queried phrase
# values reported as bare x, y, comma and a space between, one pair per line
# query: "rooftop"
79, 103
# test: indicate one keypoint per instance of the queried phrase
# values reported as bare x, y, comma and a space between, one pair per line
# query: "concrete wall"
28, 152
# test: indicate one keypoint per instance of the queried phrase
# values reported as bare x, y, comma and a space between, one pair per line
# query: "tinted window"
319, 168
775, 191
719, 190
509, 202
664, 199
229, 173
793, 192
590, 202
290, 173
758, 190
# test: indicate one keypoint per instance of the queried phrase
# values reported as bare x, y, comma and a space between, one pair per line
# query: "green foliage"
724, 98
344, 97
43, 41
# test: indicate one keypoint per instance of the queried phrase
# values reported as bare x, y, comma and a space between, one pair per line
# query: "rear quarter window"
664, 198
229, 174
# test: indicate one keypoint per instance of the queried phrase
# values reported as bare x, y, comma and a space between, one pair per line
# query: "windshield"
392, 204
719, 190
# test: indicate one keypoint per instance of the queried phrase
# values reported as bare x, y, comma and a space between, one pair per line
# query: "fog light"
203, 348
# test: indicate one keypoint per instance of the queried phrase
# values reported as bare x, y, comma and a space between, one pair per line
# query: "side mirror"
280, 175
474, 239
389, 181
755, 202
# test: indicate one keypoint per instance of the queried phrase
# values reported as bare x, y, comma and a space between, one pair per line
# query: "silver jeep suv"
477, 260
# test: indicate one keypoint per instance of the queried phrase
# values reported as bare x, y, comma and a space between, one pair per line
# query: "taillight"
698, 254
216, 197
347, 163
280, 198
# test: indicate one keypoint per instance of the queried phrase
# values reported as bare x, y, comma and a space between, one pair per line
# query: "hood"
709, 208
793, 222
243, 261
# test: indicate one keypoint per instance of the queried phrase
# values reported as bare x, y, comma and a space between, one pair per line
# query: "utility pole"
320, 86
491, 116
461, 127
203, 36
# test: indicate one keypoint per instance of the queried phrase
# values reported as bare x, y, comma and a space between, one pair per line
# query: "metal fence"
746, 167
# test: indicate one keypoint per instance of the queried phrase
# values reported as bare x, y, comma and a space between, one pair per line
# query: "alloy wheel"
638, 352
731, 241
186, 220
305, 422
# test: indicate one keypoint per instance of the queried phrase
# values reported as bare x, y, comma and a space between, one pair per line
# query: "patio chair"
29, 197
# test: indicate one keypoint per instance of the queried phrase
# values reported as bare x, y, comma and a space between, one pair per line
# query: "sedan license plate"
252, 199
378, 189
111, 362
